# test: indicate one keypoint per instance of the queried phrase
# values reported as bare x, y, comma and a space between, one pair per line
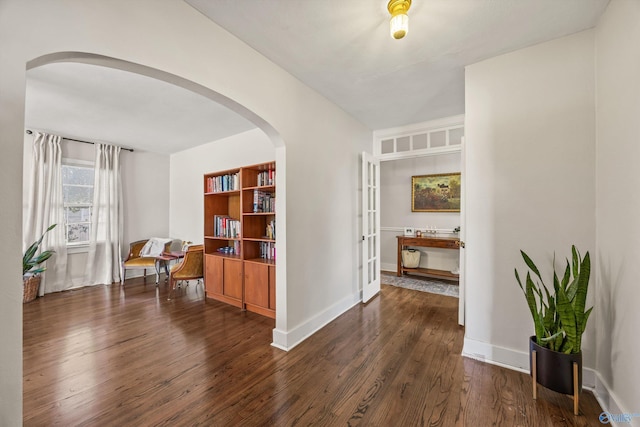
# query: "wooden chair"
135, 262
190, 268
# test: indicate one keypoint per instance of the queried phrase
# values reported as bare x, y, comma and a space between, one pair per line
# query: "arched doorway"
267, 128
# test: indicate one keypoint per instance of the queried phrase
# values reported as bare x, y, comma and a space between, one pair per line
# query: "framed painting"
435, 193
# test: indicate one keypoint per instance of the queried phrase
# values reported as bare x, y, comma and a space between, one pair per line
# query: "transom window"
77, 190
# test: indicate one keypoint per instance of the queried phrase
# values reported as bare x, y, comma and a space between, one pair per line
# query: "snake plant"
30, 260
559, 317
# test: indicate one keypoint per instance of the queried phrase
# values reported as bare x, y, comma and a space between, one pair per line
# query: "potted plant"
560, 319
31, 268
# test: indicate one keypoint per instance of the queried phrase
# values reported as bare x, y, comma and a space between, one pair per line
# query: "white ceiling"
340, 48
100, 104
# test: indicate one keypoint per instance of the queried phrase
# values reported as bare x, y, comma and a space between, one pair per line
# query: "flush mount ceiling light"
399, 23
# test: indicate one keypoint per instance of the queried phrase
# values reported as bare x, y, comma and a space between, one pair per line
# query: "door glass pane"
373, 199
374, 174
374, 216
372, 247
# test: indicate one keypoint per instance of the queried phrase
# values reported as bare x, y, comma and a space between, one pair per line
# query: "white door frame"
462, 277
463, 231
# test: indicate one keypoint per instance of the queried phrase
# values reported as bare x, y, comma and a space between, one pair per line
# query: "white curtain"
103, 261
45, 208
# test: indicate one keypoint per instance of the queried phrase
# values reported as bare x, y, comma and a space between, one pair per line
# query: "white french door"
370, 226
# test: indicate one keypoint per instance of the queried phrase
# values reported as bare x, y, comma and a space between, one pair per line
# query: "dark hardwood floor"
112, 356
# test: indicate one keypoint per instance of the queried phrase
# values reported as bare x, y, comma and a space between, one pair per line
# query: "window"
77, 191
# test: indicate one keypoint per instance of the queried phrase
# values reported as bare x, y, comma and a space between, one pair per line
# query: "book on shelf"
225, 226
267, 177
218, 184
263, 201
268, 250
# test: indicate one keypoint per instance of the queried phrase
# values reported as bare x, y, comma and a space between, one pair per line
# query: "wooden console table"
427, 242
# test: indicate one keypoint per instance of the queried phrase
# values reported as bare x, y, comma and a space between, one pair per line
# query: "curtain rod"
29, 132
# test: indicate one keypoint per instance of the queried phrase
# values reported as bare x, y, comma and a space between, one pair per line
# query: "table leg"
157, 265
399, 257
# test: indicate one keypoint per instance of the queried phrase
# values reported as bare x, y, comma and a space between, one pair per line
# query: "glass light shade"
399, 25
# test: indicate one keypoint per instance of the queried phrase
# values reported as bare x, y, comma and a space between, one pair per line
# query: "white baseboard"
388, 267
512, 359
286, 340
611, 403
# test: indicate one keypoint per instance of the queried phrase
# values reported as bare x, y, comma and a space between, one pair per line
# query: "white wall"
530, 139
145, 188
618, 206
189, 166
395, 209
322, 148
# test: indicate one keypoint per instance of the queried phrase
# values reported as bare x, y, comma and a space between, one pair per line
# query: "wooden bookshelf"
241, 216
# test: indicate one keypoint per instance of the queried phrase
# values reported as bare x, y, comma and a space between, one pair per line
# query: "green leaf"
581, 296
583, 326
518, 279
533, 307
572, 289
565, 347
531, 265
552, 337
560, 340
566, 277
549, 317
29, 260
568, 320
30, 252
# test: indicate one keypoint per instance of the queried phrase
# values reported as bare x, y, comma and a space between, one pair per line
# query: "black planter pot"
554, 369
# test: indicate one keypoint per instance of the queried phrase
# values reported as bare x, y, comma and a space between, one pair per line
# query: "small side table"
163, 261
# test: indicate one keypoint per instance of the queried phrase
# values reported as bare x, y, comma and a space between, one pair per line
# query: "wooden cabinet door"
213, 277
233, 278
256, 284
272, 287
